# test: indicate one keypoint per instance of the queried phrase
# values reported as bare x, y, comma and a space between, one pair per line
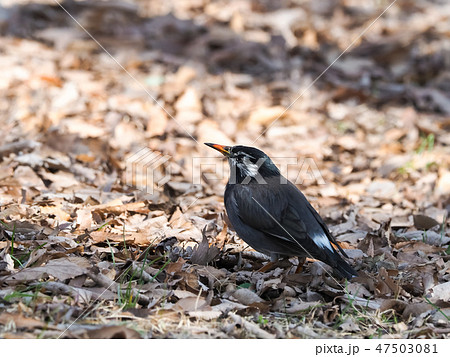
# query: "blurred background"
361, 89
225, 71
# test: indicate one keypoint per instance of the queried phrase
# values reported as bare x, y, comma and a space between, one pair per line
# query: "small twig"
17, 146
139, 271
250, 327
111, 285
59, 288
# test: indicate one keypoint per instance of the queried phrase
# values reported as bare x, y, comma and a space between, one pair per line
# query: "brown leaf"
57, 211
84, 218
349, 324
424, 222
191, 304
210, 271
246, 296
181, 294
297, 306
265, 115
175, 266
411, 258
441, 292
205, 315
157, 121
117, 206
402, 221
357, 289
226, 305
20, 321
415, 246
221, 237
6, 262
110, 332
189, 279
28, 178
392, 304
330, 314
370, 249
203, 253
61, 269
371, 243
135, 237
385, 280
443, 184
352, 237
416, 309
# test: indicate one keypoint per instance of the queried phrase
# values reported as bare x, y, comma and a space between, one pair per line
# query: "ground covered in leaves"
84, 253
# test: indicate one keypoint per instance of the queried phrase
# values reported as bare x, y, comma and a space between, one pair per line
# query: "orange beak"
225, 150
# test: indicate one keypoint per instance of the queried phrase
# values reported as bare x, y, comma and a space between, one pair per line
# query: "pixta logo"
147, 169
297, 170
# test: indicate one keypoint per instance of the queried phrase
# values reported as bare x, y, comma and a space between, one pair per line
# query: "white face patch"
242, 165
248, 167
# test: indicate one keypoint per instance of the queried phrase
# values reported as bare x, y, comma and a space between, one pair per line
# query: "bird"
272, 215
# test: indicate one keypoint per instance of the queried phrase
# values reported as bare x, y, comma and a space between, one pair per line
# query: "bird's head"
247, 163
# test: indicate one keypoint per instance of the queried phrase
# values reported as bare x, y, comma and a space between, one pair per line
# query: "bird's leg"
301, 262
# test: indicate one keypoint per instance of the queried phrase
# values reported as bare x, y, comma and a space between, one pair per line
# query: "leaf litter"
84, 254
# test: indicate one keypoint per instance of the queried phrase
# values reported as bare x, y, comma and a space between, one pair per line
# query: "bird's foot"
301, 262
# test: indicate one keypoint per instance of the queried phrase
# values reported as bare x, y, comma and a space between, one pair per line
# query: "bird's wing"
289, 223
257, 206
325, 228
314, 223
271, 212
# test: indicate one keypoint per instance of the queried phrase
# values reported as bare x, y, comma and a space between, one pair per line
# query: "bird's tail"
344, 270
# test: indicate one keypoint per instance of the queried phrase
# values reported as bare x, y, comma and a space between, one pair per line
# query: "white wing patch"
322, 241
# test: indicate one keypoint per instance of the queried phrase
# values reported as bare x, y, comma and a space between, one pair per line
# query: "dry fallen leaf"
20, 321
441, 292
113, 332
264, 116
205, 315
416, 246
61, 269
204, 253
349, 324
191, 304
424, 222
246, 296
135, 237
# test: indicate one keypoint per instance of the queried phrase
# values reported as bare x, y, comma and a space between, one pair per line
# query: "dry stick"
111, 285
76, 293
140, 272
250, 327
17, 146
60, 288
441, 331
